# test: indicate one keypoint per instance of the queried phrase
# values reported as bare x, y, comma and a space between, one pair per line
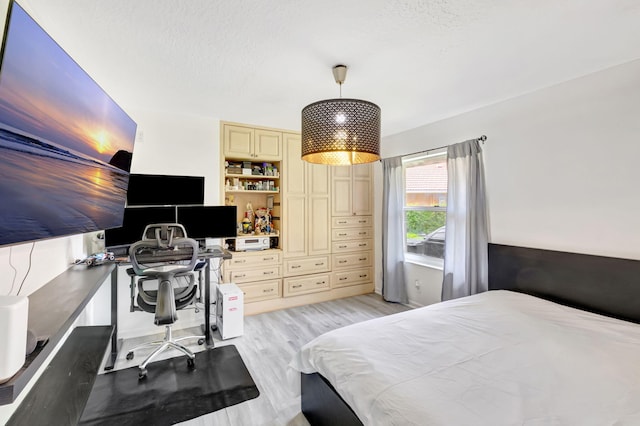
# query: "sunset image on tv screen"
65, 145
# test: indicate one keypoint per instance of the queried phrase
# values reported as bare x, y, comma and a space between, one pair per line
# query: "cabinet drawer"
356, 245
253, 260
351, 260
352, 277
307, 265
342, 234
350, 222
263, 290
307, 284
257, 274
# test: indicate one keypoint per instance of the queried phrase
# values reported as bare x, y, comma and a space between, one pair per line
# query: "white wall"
561, 163
172, 143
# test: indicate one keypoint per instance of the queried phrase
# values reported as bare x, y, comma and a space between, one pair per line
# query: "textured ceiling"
261, 62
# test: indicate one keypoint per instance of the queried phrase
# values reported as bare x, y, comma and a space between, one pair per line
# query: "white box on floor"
230, 310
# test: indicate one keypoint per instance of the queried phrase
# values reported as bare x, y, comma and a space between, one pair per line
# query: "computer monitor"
134, 222
164, 190
208, 221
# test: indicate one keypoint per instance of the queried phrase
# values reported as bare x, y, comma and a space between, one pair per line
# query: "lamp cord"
28, 269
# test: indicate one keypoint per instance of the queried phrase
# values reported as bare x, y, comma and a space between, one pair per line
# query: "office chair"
170, 256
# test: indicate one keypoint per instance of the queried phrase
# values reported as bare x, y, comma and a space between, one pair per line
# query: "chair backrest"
164, 243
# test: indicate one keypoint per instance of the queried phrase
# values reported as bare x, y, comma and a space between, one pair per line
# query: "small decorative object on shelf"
96, 259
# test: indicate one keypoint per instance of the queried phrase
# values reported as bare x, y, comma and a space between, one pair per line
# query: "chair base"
167, 343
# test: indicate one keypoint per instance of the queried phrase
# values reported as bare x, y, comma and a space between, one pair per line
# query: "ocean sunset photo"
65, 145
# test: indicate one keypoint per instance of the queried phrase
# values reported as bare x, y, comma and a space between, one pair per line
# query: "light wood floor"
269, 342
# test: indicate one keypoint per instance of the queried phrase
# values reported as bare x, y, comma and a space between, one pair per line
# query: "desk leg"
111, 360
207, 303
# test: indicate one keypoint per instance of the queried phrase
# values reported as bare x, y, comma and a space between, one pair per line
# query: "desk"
215, 252
53, 309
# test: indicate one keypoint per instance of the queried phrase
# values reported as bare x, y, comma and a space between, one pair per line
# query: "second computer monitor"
203, 222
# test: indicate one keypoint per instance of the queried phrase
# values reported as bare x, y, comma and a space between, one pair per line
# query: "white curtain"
466, 235
393, 283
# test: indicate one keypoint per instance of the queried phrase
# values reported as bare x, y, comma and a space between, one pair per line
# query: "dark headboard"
605, 285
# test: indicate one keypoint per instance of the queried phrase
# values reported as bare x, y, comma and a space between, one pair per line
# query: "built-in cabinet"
242, 142
351, 189
352, 225
324, 224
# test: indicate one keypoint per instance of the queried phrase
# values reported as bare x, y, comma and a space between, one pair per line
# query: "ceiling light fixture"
341, 131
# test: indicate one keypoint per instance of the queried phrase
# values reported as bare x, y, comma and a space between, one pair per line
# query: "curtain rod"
482, 139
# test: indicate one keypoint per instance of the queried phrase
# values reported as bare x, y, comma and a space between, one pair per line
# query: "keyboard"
211, 252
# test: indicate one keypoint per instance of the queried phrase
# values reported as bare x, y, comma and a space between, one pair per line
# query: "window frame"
420, 259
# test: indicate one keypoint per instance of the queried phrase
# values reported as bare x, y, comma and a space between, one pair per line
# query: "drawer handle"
240, 275
362, 221
267, 290
296, 266
342, 222
342, 261
320, 283
362, 244
361, 259
364, 276
267, 273
268, 258
241, 261
320, 264
342, 279
362, 233
342, 246
342, 235
296, 286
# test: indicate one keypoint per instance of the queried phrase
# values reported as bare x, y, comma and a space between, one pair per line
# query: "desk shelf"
53, 309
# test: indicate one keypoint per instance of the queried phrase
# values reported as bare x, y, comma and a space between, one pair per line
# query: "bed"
556, 340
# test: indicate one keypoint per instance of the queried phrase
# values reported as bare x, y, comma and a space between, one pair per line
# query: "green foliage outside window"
420, 222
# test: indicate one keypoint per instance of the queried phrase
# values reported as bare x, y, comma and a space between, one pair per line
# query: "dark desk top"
213, 252
53, 309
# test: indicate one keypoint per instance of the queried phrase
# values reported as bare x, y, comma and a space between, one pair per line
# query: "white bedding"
496, 358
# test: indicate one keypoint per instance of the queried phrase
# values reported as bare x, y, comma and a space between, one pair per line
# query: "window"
425, 204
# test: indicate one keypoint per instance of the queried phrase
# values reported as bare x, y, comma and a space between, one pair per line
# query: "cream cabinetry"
248, 143
306, 284
322, 216
352, 226
351, 190
305, 203
258, 274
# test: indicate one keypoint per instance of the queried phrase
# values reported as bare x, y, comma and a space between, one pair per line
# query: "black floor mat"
171, 392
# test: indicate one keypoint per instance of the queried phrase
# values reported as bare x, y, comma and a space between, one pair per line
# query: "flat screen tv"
65, 145
165, 190
202, 222
135, 220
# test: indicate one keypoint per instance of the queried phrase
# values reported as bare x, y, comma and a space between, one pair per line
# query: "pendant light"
341, 131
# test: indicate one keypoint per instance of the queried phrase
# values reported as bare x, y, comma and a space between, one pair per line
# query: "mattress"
495, 358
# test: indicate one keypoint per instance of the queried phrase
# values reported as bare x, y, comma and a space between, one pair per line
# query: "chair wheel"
130, 355
142, 374
201, 341
191, 364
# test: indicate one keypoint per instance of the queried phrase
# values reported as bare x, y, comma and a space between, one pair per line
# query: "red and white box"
230, 310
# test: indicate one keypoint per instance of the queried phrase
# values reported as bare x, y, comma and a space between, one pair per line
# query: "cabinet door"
238, 142
362, 200
319, 234
268, 145
294, 176
319, 203
294, 235
341, 197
